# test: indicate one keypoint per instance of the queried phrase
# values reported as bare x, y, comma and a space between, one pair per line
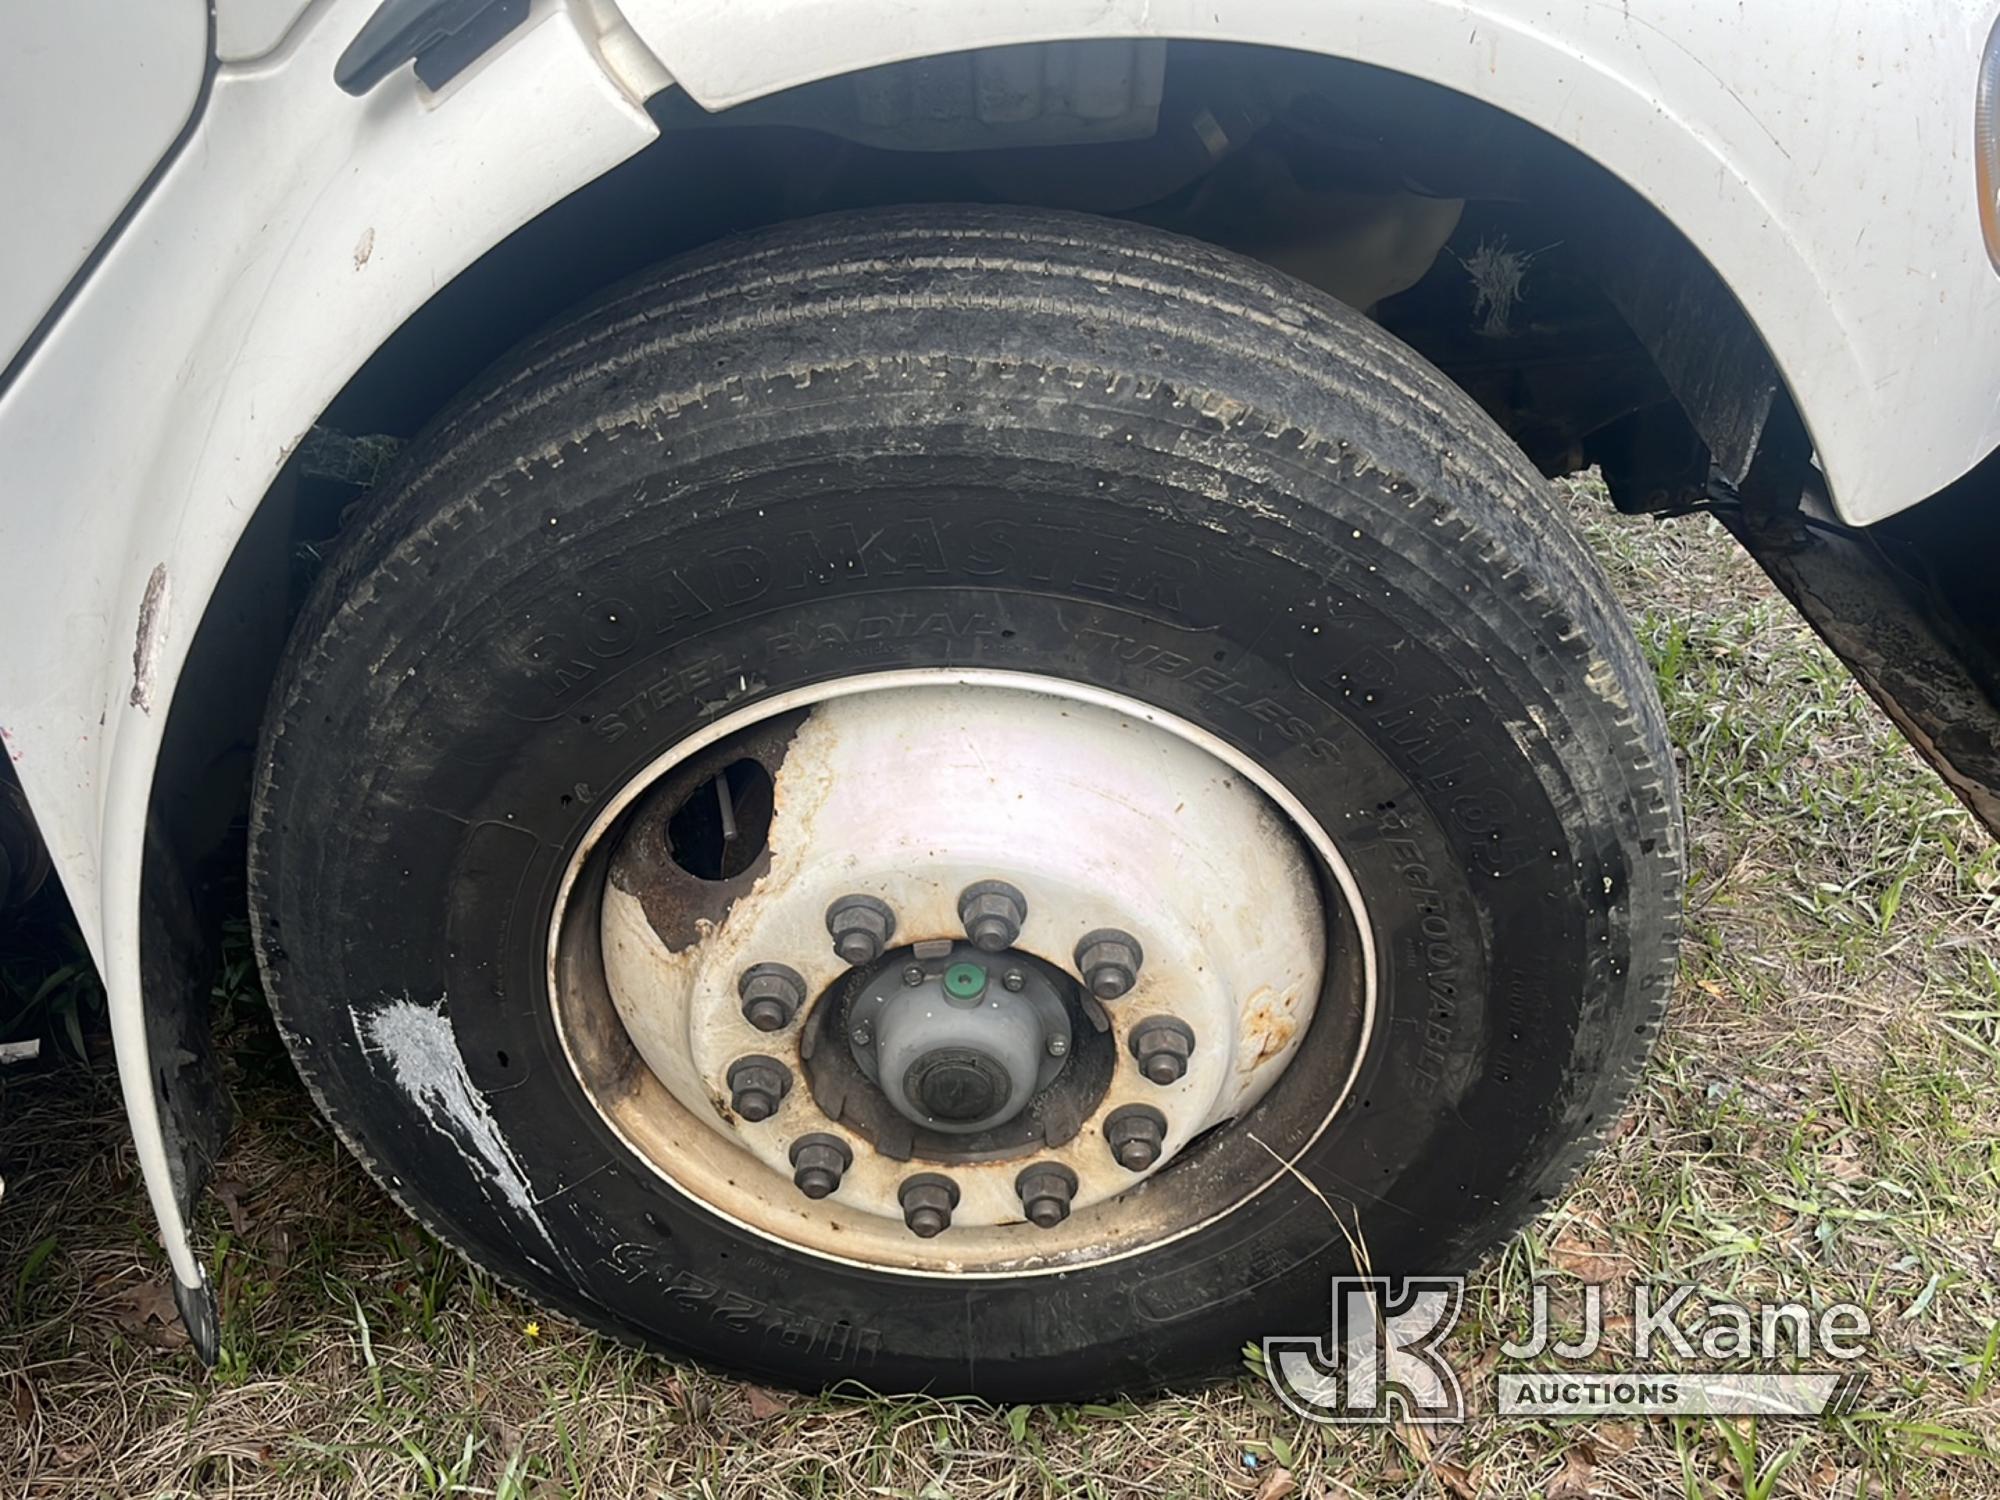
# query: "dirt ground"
1821, 1121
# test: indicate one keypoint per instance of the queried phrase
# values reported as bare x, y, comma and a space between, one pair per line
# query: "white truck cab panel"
94, 93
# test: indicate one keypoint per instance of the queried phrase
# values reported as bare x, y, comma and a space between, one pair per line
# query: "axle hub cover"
960, 1051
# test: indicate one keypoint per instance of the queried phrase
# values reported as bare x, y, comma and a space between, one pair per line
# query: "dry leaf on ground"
1572, 1481
764, 1404
147, 1311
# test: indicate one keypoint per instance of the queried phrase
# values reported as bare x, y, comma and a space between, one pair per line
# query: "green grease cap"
965, 981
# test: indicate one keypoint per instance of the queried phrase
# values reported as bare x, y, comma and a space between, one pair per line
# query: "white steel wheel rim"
907, 786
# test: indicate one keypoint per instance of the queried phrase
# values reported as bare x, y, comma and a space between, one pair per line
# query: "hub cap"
1045, 937
954, 1047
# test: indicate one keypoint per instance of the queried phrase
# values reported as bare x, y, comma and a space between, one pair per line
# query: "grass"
1821, 1120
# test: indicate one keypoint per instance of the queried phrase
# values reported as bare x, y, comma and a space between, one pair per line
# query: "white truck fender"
297, 229
1797, 146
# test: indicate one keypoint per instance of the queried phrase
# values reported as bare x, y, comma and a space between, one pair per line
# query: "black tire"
1081, 448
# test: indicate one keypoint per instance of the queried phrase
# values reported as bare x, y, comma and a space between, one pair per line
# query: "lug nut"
992, 912
818, 1161
1136, 1134
757, 1085
1109, 962
1046, 1188
928, 1199
771, 994
1163, 1045
860, 926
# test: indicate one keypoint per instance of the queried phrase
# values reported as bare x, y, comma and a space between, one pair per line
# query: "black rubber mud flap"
176, 968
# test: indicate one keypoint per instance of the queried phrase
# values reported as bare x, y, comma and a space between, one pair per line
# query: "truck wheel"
929, 796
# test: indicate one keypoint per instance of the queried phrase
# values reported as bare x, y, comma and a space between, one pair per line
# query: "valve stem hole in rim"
721, 826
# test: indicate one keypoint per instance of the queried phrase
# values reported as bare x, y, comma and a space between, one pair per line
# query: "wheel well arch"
1697, 386
710, 175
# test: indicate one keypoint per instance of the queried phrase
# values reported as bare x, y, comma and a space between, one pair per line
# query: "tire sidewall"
1382, 624
1464, 924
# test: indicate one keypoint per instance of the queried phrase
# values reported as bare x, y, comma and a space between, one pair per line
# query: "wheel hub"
1109, 942
958, 1042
